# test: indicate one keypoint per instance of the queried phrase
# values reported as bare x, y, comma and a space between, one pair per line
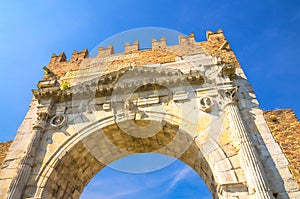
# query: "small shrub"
64, 85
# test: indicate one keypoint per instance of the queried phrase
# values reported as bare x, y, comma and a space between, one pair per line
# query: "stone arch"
238, 164
73, 165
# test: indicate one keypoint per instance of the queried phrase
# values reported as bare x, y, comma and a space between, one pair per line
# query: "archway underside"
76, 167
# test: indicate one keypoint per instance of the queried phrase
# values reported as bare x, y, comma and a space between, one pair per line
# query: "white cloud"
117, 195
129, 186
182, 174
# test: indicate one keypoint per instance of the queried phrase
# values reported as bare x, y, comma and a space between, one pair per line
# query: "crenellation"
159, 45
58, 58
218, 46
105, 52
215, 46
208, 34
76, 56
219, 35
61, 57
186, 41
129, 48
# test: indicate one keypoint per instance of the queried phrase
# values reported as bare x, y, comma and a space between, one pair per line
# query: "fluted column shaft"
18, 184
247, 153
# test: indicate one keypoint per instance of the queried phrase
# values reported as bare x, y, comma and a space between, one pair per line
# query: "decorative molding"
108, 83
41, 120
152, 99
180, 95
106, 106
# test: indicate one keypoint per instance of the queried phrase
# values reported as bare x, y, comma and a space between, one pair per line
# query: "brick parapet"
215, 46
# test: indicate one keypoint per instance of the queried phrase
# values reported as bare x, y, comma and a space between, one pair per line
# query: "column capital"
228, 95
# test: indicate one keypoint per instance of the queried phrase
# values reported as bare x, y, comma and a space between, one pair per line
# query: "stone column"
18, 184
250, 163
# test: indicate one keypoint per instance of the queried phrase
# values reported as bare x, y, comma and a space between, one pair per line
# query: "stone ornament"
228, 70
106, 106
206, 104
180, 96
228, 95
58, 121
41, 121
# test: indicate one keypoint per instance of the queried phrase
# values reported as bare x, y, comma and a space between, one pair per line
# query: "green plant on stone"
64, 85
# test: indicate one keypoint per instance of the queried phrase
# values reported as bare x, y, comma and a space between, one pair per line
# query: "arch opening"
177, 180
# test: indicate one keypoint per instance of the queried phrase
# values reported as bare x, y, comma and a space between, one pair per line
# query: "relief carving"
40, 122
228, 95
206, 104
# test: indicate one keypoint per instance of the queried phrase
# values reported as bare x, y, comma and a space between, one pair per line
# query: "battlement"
215, 46
190, 40
75, 56
215, 35
129, 48
104, 52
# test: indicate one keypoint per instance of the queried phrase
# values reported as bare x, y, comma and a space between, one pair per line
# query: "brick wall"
285, 128
4, 146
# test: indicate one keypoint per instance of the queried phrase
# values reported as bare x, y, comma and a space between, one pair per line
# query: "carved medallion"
58, 121
206, 104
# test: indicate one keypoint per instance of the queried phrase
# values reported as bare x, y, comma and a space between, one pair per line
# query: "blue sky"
263, 34
175, 181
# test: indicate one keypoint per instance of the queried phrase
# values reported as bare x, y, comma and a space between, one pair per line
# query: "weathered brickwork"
4, 146
285, 128
59, 66
215, 46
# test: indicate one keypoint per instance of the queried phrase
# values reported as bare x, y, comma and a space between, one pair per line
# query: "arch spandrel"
188, 124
